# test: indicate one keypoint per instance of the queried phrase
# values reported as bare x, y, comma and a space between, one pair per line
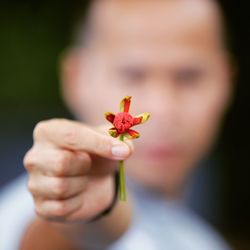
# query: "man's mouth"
160, 152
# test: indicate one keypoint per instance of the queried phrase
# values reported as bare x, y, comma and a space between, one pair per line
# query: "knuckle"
29, 161
59, 187
56, 122
40, 129
39, 212
60, 209
31, 186
39, 208
60, 163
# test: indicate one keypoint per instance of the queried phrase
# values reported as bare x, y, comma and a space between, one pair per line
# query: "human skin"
170, 57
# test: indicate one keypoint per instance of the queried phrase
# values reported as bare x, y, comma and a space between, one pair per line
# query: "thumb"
104, 128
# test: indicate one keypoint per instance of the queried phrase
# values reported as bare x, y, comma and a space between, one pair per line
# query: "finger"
56, 187
76, 136
104, 130
58, 209
57, 162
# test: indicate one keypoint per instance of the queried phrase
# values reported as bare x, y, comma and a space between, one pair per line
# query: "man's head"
170, 56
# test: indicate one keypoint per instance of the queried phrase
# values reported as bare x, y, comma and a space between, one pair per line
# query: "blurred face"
167, 55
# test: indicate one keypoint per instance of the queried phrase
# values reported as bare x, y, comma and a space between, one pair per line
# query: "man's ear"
71, 65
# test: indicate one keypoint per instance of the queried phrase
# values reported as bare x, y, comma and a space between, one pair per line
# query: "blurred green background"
34, 34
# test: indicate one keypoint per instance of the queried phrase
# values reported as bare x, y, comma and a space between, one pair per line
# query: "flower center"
123, 121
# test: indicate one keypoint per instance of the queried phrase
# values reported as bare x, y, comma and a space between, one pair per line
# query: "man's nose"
162, 103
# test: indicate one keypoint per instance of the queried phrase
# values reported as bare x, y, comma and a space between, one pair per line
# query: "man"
170, 56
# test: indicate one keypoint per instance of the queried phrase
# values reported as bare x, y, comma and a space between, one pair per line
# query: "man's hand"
71, 169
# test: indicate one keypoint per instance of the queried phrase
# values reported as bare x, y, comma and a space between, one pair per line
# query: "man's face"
168, 56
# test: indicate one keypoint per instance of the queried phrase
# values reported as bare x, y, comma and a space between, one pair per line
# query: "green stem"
122, 189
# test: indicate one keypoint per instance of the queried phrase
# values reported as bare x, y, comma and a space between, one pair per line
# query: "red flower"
123, 121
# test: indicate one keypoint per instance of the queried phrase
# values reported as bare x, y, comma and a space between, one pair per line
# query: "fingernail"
120, 150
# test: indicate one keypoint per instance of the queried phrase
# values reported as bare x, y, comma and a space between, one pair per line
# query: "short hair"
82, 25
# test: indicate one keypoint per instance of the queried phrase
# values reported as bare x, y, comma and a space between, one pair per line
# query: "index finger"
76, 136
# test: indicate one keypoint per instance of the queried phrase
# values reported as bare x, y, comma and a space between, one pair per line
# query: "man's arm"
42, 234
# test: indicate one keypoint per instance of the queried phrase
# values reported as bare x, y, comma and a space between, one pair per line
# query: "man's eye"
188, 76
132, 75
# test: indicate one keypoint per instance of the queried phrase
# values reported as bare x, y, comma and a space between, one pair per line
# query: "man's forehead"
134, 17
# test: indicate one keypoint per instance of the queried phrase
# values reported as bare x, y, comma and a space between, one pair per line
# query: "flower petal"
137, 120
144, 117
132, 134
109, 116
113, 132
125, 104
